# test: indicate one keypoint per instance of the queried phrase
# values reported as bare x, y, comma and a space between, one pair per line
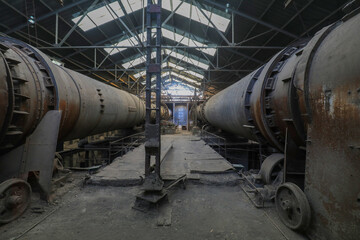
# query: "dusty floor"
211, 207
198, 212
188, 155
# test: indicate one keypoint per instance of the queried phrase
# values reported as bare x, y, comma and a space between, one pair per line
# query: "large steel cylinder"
274, 99
307, 97
31, 85
260, 106
328, 81
227, 109
164, 112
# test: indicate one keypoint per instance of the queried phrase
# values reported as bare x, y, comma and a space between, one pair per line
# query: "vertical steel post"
152, 129
115, 75
56, 28
174, 113
94, 57
232, 29
187, 116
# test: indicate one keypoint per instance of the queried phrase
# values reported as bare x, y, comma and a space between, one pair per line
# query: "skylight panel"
85, 24
180, 77
133, 5
199, 17
104, 14
187, 41
140, 74
220, 22
134, 62
137, 61
185, 78
132, 41
165, 74
184, 10
143, 73
170, 64
187, 59
112, 51
99, 16
198, 75
178, 88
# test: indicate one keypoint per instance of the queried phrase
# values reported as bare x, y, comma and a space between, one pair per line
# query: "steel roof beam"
86, 39
231, 50
123, 23
127, 16
166, 46
254, 19
262, 15
45, 16
129, 31
78, 22
84, 67
164, 70
172, 14
283, 26
95, 44
246, 38
324, 19
172, 49
202, 53
200, 7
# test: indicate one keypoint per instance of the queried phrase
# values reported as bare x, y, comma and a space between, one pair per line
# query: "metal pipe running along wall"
31, 85
310, 92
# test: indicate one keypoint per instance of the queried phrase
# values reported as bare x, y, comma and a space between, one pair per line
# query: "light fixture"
31, 20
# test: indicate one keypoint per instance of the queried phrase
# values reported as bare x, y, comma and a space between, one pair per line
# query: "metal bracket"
36, 154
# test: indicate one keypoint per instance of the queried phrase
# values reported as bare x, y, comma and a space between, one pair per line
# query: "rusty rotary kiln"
305, 102
41, 103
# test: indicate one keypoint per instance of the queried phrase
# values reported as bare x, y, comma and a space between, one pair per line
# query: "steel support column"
153, 181
56, 28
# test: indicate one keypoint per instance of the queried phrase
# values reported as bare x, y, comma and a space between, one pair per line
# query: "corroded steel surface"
164, 112
308, 94
333, 153
31, 85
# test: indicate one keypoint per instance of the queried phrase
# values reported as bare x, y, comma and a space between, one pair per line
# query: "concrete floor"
212, 207
189, 155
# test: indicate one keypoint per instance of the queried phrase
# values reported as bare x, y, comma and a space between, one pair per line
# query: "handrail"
125, 145
218, 143
130, 136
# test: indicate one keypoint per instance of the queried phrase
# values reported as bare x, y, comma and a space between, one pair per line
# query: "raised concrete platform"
189, 155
